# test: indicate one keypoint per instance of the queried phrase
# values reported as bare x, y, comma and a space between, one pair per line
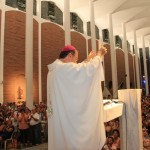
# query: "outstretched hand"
92, 54
102, 51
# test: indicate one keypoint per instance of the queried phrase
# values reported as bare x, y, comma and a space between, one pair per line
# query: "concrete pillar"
136, 61
85, 33
29, 54
133, 57
113, 57
67, 22
92, 25
2, 50
85, 28
126, 56
145, 66
39, 49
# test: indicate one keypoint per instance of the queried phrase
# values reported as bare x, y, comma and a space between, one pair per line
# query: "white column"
67, 22
87, 48
29, 54
101, 34
113, 57
136, 61
85, 33
126, 56
133, 57
92, 25
39, 48
2, 51
145, 66
85, 28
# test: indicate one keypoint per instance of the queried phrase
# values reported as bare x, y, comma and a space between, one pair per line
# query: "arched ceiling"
135, 13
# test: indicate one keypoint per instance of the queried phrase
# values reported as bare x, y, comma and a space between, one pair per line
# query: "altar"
112, 109
128, 108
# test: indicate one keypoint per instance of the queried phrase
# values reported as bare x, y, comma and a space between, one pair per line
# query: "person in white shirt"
34, 121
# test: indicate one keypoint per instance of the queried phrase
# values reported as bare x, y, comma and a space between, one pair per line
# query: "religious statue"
20, 92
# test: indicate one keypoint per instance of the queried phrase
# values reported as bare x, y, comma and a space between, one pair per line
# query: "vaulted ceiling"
135, 13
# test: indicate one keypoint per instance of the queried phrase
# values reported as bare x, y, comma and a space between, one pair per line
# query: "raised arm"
101, 52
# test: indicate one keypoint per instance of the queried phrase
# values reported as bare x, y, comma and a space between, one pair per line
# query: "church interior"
32, 33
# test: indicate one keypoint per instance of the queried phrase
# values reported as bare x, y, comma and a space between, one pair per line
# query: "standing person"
116, 136
34, 127
74, 99
22, 119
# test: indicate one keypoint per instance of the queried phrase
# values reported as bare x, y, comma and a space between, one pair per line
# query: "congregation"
112, 128
29, 127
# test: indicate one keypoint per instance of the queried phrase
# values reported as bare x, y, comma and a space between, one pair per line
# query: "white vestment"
75, 96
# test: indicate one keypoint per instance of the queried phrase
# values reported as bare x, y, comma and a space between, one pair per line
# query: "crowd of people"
112, 128
145, 103
113, 135
28, 127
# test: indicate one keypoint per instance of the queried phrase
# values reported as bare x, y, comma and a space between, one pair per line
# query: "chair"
44, 130
9, 140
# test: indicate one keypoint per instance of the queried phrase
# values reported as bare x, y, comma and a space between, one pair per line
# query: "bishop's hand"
92, 54
102, 51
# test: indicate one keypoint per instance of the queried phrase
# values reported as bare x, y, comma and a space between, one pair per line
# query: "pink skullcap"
68, 48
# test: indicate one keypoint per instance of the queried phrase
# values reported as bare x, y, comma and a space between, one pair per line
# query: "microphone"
119, 87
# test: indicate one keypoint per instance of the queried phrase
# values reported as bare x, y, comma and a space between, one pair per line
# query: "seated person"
2, 126
108, 144
8, 130
116, 136
145, 133
146, 144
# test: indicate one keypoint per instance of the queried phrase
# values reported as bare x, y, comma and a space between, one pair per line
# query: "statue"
20, 92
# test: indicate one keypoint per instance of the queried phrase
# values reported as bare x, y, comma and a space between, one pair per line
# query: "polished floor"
43, 146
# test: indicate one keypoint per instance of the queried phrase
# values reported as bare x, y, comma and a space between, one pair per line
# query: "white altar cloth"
112, 110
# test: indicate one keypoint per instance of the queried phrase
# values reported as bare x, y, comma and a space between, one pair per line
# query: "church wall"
120, 60
79, 42
0, 23
131, 70
108, 71
35, 62
139, 70
90, 45
14, 57
140, 73
135, 71
53, 39
97, 45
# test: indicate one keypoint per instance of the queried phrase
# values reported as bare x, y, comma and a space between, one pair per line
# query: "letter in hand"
102, 51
